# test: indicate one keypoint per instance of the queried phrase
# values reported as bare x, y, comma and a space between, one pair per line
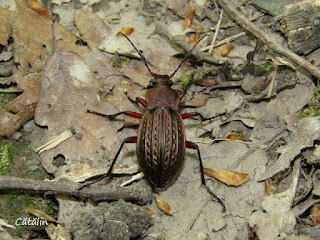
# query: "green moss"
6, 158
313, 105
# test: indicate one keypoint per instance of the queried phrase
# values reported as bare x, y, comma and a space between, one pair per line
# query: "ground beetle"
161, 140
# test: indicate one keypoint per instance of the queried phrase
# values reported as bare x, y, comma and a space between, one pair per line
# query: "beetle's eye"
170, 83
152, 83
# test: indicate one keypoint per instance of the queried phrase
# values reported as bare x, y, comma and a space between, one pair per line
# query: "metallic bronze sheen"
161, 145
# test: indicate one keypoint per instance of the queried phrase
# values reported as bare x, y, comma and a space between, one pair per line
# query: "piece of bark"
301, 26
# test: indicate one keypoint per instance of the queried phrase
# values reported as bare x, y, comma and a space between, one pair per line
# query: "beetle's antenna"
186, 56
142, 57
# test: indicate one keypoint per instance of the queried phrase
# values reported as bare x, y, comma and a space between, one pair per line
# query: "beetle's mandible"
161, 140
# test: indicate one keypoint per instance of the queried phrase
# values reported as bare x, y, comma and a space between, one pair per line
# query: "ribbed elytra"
161, 141
161, 145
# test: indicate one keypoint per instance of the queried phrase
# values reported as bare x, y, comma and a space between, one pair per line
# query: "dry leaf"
126, 31
38, 7
40, 214
194, 39
32, 44
208, 82
188, 20
68, 90
196, 100
198, 26
148, 210
163, 206
235, 136
269, 188
229, 177
9, 123
223, 50
315, 214
91, 27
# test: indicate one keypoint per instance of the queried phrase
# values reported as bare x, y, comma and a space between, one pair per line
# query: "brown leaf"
163, 206
194, 39
40, 214
315, 214
38, 7
208, 82
223, 50
32, 44
197, 100
9, 123
235, 136
229, 177
126, 31
91, 27
148, 210
198, 27
269, 188
188, 19
68, 90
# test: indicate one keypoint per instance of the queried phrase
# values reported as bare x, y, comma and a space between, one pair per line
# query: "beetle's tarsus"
109, 173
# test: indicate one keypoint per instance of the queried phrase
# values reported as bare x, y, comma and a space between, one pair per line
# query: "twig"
262, 36
96, 193
216, 32
273, 81
224, 41
161, 29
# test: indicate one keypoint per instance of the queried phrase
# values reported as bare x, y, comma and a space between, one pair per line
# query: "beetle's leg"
142, 102
193, 114
203, 181
138, 100
108, 174
182, 94
128, 113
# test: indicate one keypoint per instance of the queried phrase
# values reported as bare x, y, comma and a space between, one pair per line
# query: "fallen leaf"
68, 90
40, 214
229, 177
269, 188
126, 31
223, 50
194, 39
235, 136
32, 44
196, 100
38, 7
315, 214
188, 19
276, 217
9, 122
92, 28
208, 82
198, 26
163, 206
148, 210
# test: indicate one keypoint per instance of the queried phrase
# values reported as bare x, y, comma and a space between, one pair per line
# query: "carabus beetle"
161, 140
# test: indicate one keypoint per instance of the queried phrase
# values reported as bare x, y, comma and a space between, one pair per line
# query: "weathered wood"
301, 24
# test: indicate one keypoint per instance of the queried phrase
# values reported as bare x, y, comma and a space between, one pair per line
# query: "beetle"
161, 140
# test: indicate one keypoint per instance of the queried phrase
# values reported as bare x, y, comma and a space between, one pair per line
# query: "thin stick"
224, 41
96, 193
216, 32
273, 81
263, 37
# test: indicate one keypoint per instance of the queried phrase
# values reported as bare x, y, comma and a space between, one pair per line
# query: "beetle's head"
160, 80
